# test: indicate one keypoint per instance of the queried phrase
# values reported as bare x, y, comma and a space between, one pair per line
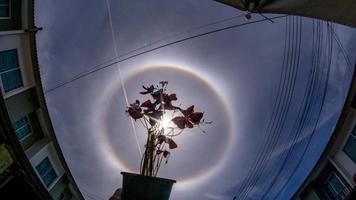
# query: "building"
334, 175
28, 145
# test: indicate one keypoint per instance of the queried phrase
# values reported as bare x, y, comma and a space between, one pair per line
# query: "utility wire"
343, 50
276, 111
303, 114
317, 60
300, 128
120, 74
278, 123
157, 48
164, 39
319, 114
252, 171
289, 91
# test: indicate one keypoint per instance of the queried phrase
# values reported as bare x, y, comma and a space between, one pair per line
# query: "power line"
164, 39
279, 119
120, 75
253, 171
343, 50
159, 47
319, 113
299, 126
294, 63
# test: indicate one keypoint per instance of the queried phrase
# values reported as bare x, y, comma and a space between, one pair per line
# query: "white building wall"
341, 160
21, 43
46, 150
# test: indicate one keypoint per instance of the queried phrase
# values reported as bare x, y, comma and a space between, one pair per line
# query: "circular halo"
196, 179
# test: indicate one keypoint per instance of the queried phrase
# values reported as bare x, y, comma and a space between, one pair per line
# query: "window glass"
4, 1
8, 60
354, 131
46, 172
335, 188
11, 80
10, 72
350, 148
4, 8
22, 128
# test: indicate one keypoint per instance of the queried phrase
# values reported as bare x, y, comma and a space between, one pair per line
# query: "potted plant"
163, 121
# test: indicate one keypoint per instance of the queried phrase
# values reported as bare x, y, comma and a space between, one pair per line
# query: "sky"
274, 92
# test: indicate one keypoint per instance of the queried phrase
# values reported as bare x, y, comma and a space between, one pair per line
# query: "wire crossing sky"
274, 92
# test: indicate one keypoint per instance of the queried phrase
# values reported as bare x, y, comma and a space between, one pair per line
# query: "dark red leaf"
171, 143
189, 124
188, 111
146, 104
165, 153
180, 122
135, 104
135, 113
196, 117
148, 89
173, 97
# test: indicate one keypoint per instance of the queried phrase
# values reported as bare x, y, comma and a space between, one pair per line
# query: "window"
335, 188
350, 146
22, 128
46, 172
5, 11
10, 71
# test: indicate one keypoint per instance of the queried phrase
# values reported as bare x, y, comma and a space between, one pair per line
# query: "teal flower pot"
139, 187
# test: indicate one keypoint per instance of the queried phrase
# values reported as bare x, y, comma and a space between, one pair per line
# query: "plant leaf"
180, 122
196, 117
173, 97
146, 104
165, 153
188, 111
135, 112
148, 89
171, 143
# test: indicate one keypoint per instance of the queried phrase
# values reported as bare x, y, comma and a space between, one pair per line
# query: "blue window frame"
22, 128
350, 146
5, 9
10, 71
335, 188
46, 172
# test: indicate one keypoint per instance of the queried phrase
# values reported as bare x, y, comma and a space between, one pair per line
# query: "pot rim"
149, 177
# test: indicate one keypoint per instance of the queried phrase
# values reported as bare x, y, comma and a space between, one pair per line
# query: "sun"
164, 122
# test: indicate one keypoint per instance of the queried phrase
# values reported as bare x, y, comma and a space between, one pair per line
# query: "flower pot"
139, 187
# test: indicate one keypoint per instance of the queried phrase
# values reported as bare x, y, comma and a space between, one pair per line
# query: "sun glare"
165, 122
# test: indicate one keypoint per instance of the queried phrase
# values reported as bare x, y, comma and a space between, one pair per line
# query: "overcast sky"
274, 91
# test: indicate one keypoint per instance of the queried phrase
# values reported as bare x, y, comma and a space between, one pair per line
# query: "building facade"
334, 176
24, 112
